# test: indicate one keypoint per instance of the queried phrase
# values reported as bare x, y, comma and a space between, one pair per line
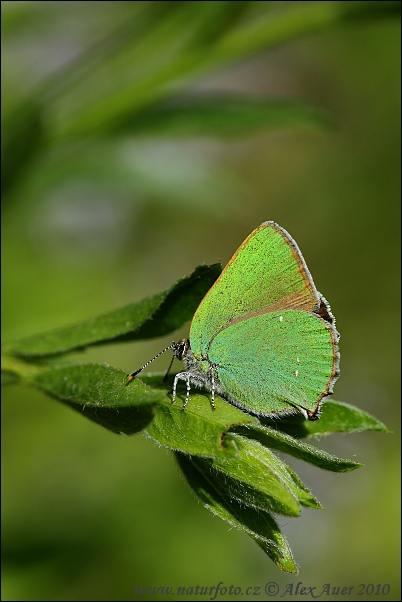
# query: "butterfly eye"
181, 349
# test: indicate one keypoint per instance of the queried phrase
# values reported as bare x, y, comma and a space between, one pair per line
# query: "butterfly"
263, 338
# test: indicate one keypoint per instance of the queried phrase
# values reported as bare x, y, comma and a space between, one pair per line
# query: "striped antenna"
134, 374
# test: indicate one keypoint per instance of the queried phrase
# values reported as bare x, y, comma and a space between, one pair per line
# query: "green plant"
225, 455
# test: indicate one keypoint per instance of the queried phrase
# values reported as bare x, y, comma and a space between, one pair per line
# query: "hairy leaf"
260, 525
152, 317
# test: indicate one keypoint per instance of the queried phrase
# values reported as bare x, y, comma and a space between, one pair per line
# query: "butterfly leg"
187, 391
182, 376
212, 388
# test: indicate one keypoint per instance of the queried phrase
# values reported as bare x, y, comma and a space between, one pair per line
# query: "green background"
100, 215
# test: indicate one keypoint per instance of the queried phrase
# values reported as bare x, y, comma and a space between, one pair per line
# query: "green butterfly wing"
276, 362
266, 273
267, 330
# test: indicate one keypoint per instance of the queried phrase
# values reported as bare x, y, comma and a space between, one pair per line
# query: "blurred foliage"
104, 172
149, 55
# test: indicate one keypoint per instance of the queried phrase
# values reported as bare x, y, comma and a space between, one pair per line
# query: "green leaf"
104, 395
306, 498
198, 430
225, 413
339, 417
258, 468
101, 394
221, 117
152, 317
260, 525
336, 417
282, 442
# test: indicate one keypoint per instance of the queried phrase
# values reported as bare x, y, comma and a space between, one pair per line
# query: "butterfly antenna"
134, 374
